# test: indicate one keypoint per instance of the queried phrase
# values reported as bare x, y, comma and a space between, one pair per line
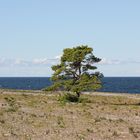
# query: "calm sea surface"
110, 84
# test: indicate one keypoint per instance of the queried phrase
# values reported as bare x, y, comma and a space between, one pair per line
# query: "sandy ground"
35, 115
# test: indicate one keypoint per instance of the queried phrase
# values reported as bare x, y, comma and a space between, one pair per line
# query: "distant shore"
20, 91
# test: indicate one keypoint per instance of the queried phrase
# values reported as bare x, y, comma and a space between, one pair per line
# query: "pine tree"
76, 71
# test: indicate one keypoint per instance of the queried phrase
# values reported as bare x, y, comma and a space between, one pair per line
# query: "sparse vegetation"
41, 116
12, 104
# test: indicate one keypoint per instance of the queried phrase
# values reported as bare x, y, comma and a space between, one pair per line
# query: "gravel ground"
33, 115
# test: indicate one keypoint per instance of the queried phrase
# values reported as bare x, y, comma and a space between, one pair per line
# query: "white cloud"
40, 61
105, 61
20, 62
2, 60
53, 61
58, 57
42, 66
25, 63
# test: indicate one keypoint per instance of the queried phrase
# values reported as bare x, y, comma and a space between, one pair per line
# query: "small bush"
10, 101
72, 98
67, 97
13, 107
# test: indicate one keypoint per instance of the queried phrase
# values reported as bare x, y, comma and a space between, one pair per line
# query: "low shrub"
71, 97
67, 97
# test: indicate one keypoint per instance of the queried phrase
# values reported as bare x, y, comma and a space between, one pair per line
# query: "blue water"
25, 83
121, 84
110, 84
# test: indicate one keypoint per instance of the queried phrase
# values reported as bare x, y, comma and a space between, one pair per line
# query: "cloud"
6, 62
20, 62
53, 61
58, 57
25, 63
43, 61
105, 61
42, 67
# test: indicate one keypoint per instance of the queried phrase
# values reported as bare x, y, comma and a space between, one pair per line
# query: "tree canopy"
76, 71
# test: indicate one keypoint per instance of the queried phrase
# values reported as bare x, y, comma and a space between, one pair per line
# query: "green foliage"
76, 72
68, 98
72, 98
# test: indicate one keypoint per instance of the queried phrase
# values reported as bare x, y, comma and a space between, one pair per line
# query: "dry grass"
42, 117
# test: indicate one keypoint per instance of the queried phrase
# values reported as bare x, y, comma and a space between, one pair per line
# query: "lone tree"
76, 73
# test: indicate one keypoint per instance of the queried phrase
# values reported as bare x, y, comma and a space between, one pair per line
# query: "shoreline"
87, 92
41, 92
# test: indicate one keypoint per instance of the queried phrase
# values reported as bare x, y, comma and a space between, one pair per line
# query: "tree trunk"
78, 94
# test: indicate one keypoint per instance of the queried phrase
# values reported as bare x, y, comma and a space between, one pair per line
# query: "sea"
110, 84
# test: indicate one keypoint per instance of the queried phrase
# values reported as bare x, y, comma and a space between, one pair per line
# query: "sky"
33, 34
